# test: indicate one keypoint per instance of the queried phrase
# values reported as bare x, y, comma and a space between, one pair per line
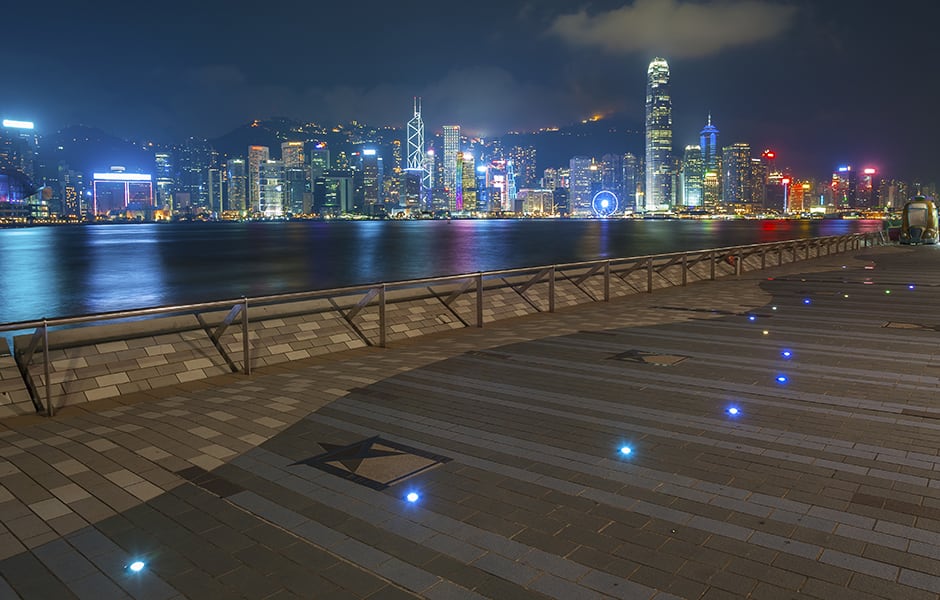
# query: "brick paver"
825, 484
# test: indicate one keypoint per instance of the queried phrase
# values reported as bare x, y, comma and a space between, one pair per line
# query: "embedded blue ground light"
786, 354
625, 450
782, 379
137, 566
412, 497
734, 411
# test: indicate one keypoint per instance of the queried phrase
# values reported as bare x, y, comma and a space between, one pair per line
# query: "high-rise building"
708, 141
524, 162
271, 188
292, 154
468, 179
584, 173
692, 177
451, 148
194, 159
659, 193
256, 156
165, 178
237, 181
371, 192
417, 157
612, 175
845, 187
737, 176
319, 160
631, 176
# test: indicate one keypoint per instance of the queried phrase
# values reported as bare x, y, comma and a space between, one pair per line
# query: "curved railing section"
73, 359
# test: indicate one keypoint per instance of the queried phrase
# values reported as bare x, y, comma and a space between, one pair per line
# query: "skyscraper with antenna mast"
659, 193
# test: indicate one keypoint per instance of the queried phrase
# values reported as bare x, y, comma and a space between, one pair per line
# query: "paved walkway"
292, 483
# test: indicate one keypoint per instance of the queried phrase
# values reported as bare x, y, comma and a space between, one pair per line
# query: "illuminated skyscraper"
451, 148
737, 176
692, 177
237, 184
468, 178
658, 137
271, 186
256, 156
631, 175
416, 151
370, 180
709, 144
292, 154
166, 182
584, 172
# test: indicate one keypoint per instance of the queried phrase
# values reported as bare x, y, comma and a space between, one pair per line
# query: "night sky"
823, 83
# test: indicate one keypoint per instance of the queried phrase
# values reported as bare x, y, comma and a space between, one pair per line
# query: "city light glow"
13, 124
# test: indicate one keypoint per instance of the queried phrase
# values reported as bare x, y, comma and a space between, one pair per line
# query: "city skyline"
822, 84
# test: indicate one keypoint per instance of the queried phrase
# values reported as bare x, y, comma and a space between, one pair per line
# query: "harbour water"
53, 272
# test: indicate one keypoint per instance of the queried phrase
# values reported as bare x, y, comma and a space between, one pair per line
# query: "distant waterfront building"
114, 192
468, 181
524, 163
371, 190
612, 175
256, 156
584, 174
451, 148
165, 178
295, 189
708, 141
292, 154
737, 176
237, 182
711, 165
216, 187
659, 193
416, 156
194, 159
537, 202
692, 177
319, 160
19, 143
271, 188
631, 176
845, 187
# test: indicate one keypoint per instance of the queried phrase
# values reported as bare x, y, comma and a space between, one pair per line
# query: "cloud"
675, 28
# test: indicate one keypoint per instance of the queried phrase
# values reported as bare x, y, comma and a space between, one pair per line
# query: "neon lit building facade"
659, 193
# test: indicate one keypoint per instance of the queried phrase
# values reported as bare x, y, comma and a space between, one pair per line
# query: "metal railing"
519, 280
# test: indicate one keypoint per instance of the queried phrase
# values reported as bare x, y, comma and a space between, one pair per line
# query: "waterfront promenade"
292, 483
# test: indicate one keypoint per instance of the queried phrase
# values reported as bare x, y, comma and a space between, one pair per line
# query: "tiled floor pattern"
292, 483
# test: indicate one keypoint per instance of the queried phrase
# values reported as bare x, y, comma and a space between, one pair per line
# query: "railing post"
685, 269
763, 258
382, 339
649, 275
793, 251
246, 347
551, 290
607, 281
50, 410
712, 265
738, 259
479, 299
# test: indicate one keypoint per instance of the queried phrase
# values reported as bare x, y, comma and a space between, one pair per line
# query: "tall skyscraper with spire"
659, 193
416, 155
711, 165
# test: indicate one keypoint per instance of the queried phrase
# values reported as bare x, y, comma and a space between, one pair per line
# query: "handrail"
237, 309
406, 283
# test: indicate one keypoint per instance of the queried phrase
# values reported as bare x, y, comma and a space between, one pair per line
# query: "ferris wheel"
605, 203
